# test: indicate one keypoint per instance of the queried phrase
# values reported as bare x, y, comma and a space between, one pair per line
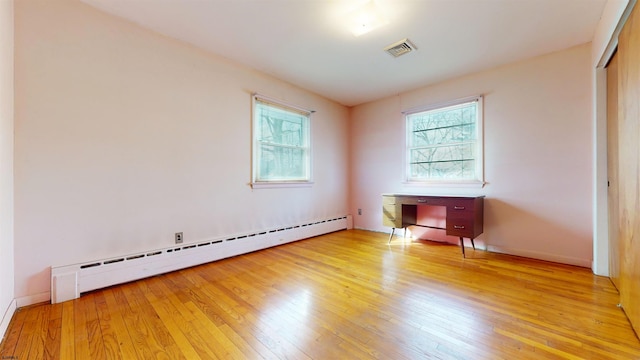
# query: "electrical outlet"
359, 211
179, 238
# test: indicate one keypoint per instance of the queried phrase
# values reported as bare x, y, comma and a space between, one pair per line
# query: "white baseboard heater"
69, 281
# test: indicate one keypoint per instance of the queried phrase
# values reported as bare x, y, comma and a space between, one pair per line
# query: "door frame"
600, 265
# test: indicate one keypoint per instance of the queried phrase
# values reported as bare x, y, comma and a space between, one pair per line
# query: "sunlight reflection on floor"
289, 317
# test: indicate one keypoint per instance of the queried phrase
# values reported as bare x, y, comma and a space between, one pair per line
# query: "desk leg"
472, 244
393, 230
462, 246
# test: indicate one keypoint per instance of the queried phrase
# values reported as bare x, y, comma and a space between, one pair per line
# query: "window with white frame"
444, 143
281, 146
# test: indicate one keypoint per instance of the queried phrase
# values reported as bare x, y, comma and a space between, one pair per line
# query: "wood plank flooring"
345, 295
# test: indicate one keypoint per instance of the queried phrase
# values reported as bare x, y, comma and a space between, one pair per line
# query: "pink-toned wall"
537, 155
124, 137
7, 306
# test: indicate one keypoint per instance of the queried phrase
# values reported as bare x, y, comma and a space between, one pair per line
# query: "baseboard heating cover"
69, 281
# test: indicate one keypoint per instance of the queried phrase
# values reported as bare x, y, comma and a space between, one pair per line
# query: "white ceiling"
307, 43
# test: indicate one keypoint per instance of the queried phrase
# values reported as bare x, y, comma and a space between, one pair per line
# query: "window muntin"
444, 143
281, 143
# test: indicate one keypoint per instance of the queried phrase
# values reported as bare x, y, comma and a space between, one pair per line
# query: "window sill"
282, 184
475, 184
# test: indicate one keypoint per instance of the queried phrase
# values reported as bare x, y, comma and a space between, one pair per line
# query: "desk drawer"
460, 227
420, 200
460, 207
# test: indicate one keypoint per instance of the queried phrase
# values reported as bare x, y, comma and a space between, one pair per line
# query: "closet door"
612, 170
629, 165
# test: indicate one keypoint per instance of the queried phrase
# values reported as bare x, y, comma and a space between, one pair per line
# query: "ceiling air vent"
400, 48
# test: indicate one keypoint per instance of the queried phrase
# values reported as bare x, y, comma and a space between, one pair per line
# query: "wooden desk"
465, 214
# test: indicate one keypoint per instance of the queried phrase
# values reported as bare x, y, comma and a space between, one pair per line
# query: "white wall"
538, 147
7, 306
124, 137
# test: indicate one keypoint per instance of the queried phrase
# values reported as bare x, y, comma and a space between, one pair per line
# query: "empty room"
331, 179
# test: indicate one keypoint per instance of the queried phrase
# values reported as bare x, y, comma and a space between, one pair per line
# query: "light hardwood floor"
345, 295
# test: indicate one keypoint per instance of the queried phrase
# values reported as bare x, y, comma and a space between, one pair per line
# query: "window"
281, 146
444, 143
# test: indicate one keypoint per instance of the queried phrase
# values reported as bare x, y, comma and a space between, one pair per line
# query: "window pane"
443, 143
441, 126
437, 136
281, 143
443, 153
280, 127
282, 163
444, 170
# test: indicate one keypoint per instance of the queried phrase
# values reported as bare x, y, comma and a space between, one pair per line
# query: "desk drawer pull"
458, 226
458, 207
422, 200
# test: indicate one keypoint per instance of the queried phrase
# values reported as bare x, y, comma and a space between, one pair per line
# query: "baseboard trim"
586, 263
567, 260
33, 299
6, 318
70, 281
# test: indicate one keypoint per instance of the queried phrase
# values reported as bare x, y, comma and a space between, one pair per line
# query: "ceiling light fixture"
366, 18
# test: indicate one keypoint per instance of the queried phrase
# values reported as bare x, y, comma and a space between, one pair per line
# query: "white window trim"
255, 184
479, 181
281, 184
